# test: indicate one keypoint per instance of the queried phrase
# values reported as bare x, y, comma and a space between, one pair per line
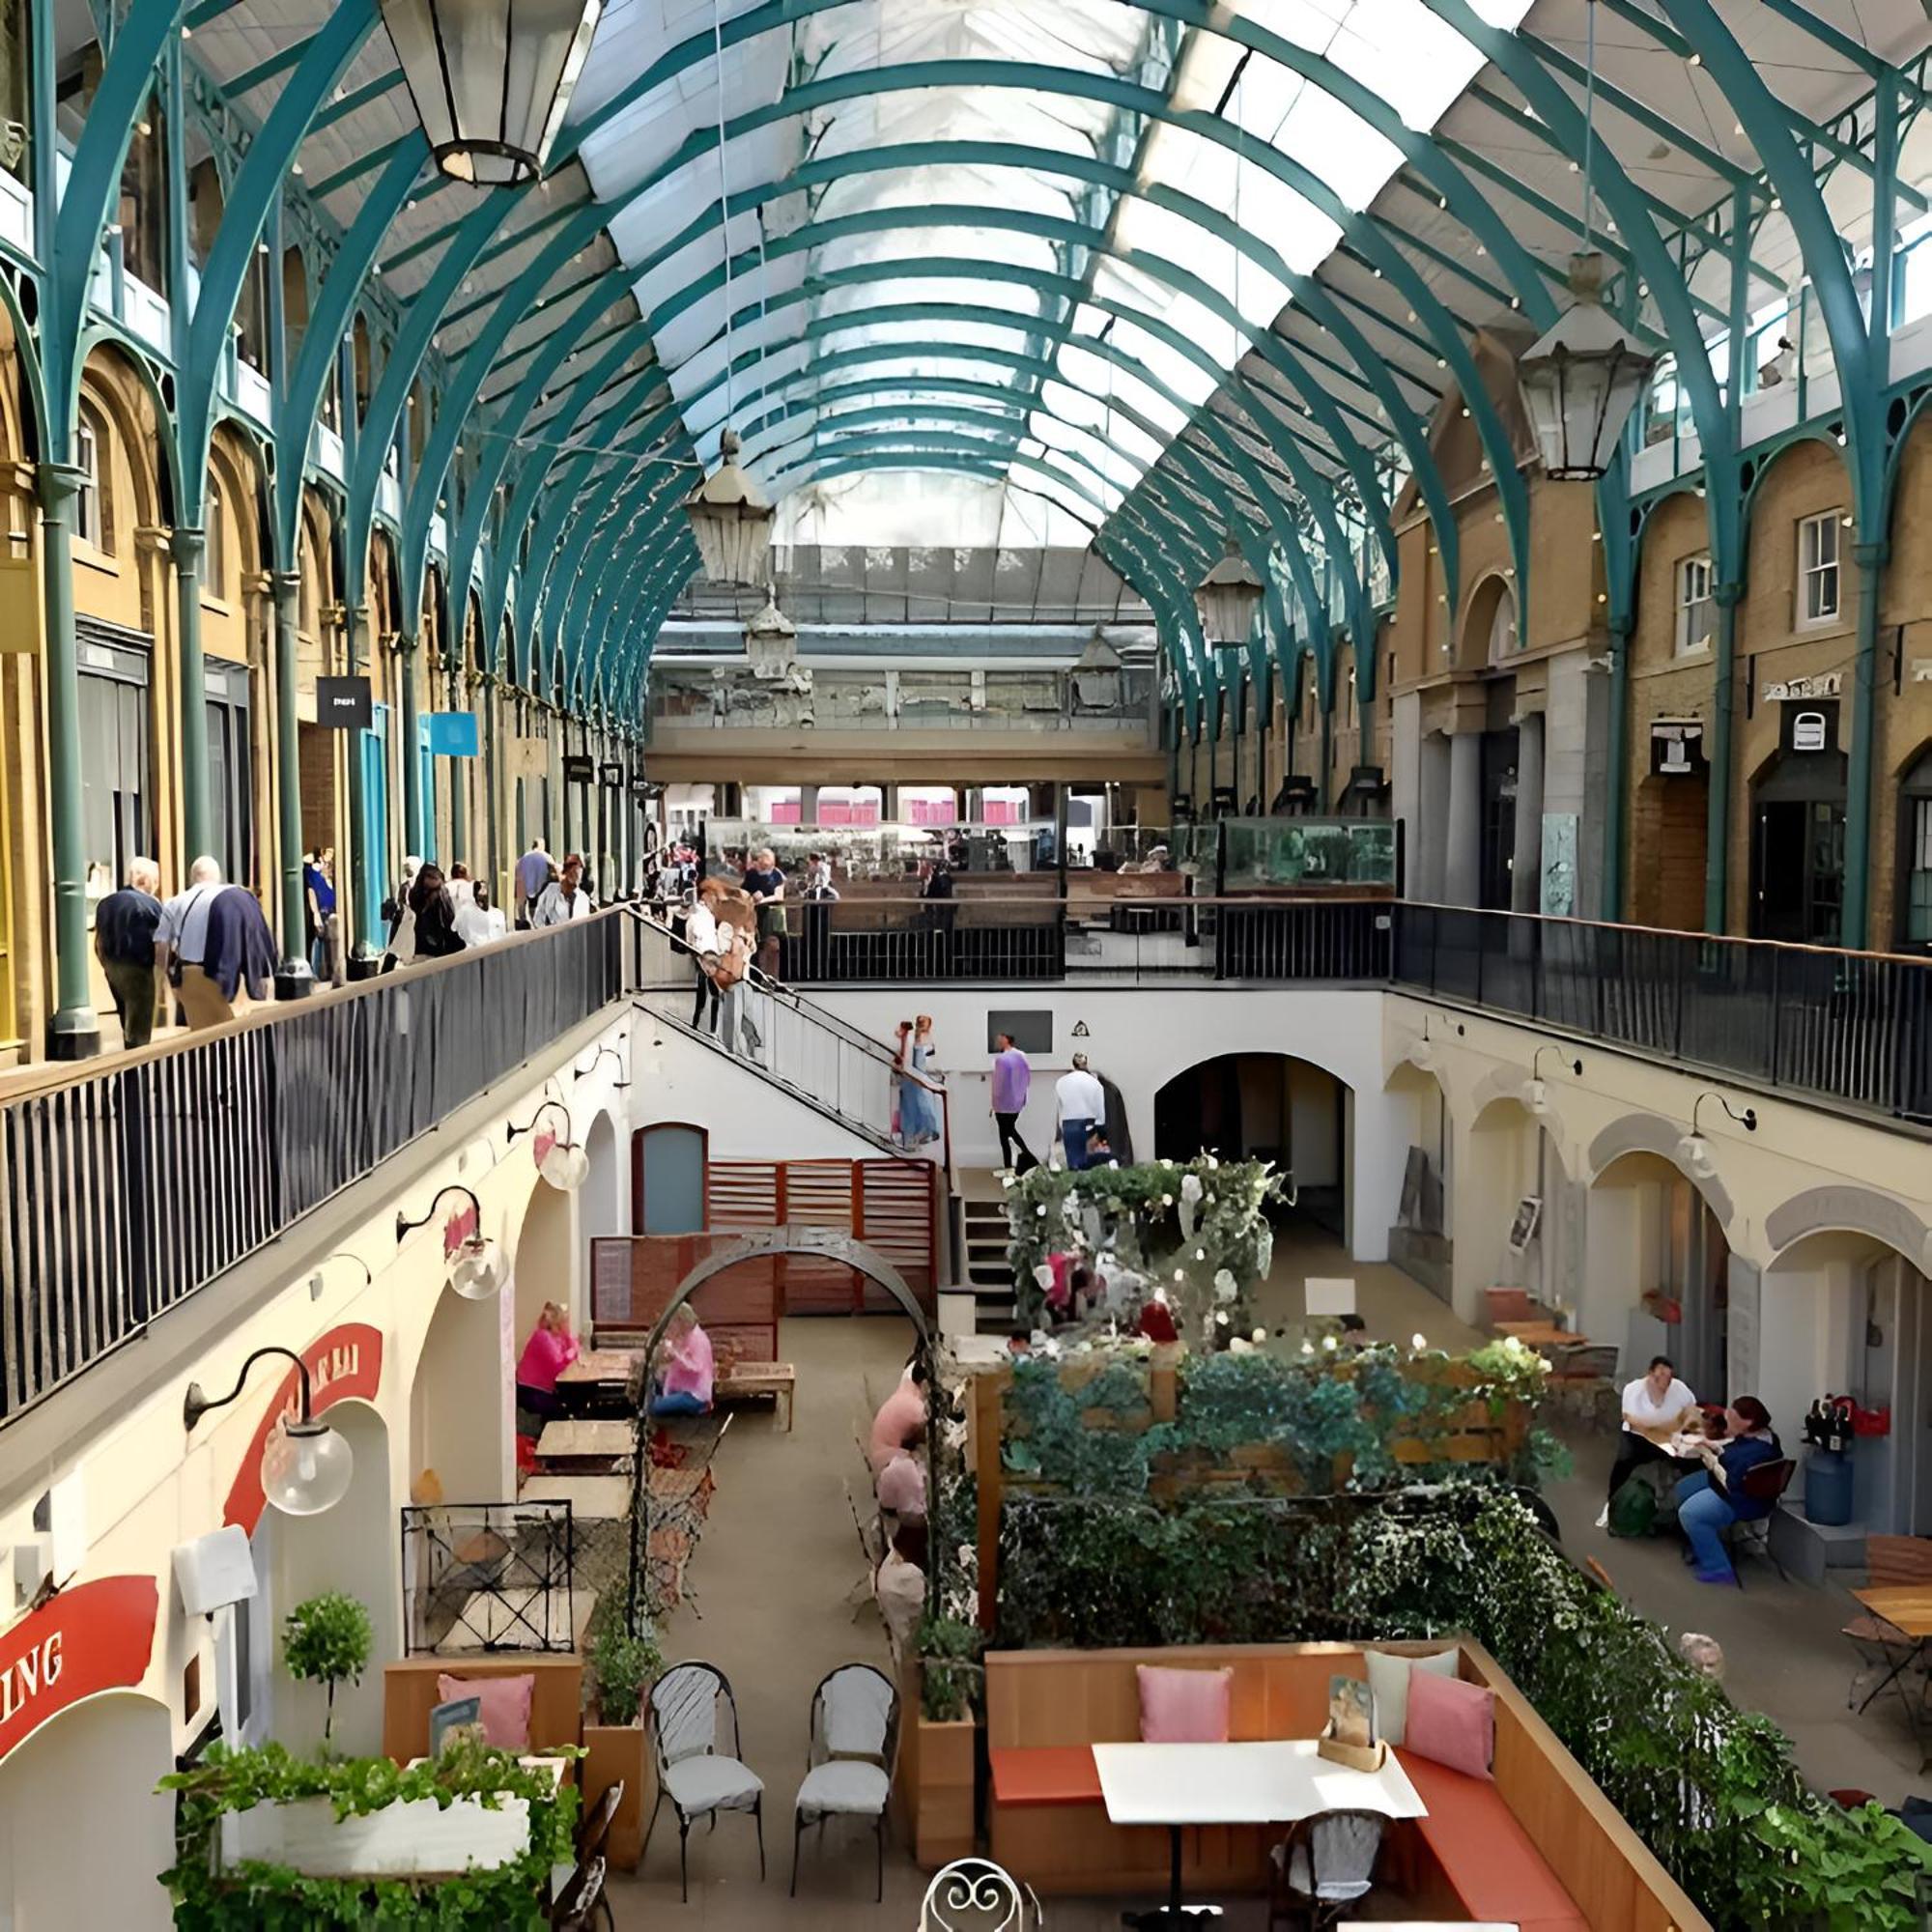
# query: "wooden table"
1276, 1781
600, 1448
1543, 1335
596, 1497
1908, 1608
741, 1380
609, 1376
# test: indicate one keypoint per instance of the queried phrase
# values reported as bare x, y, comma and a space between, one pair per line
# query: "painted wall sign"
611, 774
345, 1362
1826, 684
579, 768
1676, 746
1808, 731
92, 1637
343, 703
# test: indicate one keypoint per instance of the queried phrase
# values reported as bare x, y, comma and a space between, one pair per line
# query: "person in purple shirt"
1012, 1075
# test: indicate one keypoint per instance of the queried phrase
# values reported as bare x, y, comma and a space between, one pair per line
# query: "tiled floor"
779, 1571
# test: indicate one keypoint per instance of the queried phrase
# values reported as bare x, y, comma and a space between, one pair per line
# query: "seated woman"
684, 1382
549, 1350
901, 1586
901, 1489
1709, 1502
900, 1423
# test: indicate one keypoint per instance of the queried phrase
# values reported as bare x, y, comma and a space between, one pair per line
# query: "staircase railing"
793, 1041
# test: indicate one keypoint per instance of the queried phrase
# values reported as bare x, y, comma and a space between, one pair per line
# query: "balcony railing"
132, 1183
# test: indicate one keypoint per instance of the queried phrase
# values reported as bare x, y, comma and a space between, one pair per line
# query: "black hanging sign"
344, 703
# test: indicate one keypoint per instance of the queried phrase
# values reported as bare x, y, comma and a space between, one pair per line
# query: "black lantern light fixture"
1581, 378
478, 1270
306, 1465
1227, 598
563, 1163
491, 80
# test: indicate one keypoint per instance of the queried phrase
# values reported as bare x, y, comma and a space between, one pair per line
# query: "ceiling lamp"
478, 1270
306, 1465
730, 519
1227, 598
1582, 379
561, 1162
491, 78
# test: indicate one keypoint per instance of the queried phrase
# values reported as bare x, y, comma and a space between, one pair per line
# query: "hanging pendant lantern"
771, 641
491, 80
1581, 380
1227, 598
730, 519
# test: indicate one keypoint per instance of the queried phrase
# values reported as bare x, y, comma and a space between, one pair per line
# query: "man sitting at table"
549, 1350
1656, 1406
900, 1423
684, 1385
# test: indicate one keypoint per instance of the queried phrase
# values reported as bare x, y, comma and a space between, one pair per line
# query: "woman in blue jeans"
1709, 1503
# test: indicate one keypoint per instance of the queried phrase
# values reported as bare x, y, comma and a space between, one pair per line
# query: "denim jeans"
1073, 1138
1704, 1513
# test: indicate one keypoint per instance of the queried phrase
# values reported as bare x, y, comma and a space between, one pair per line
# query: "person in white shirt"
565, 898
180, 944
1082, 1103
701, 934
478, 920
1656, 1406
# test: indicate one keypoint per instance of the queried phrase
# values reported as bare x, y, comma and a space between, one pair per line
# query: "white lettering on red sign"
35, 1670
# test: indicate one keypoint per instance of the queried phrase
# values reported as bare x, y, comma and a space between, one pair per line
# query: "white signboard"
1826, 684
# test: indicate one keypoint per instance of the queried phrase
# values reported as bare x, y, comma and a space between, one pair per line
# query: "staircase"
989, 1273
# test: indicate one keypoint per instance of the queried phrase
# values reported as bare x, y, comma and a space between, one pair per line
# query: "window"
1919, 865
91, 499
215, 560
1818, 569
1694, 610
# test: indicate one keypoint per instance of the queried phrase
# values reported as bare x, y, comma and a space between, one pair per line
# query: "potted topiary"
937, 1764
324, 1642
625, 1662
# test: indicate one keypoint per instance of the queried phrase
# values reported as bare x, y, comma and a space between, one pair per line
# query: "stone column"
1527, 873
294, 980
1463, 860
190, 548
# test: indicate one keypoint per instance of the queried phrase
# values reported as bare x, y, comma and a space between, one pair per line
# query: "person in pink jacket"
549, 1350
684, 1382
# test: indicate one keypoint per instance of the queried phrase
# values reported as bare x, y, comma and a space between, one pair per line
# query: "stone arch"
1848, 1208
1652, 1134
159, 480
1489, 633
105, 390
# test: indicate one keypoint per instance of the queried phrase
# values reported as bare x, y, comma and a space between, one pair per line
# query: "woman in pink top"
549, 1350
684, 1386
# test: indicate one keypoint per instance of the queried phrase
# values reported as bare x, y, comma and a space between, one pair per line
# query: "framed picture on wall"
1523, 1223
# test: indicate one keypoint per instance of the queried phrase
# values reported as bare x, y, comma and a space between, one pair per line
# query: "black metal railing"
1843, 1025
488, 1576
130, 1184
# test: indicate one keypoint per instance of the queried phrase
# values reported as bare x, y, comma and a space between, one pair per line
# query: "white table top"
594, 1496
1274, 1782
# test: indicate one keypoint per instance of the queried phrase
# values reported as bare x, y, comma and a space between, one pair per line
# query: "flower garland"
1197, 1231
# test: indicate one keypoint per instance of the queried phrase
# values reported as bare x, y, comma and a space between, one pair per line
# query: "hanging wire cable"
725, 196
1589, 117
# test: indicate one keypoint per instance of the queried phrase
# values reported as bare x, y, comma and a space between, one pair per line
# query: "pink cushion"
506, 1706
1183, 1707
1453, 1723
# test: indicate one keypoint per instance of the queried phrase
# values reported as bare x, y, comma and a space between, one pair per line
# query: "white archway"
460, 1404
604, 1207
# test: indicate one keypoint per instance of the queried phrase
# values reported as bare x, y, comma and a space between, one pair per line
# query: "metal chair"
593, 1832
581, 1899
698, 1779
976, 1896
1762, 1483
1580, 1375
1324, 1866
1895, 1562
848, 1767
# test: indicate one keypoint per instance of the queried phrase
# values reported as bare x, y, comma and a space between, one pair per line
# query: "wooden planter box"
399, 1842
611, 1751
938, 1772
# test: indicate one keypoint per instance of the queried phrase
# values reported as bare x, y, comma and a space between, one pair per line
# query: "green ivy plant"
327, 1640
951, 1677
625, 1662
260, 1895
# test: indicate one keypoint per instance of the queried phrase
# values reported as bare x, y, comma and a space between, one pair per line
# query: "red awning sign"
92, 1637
347, 1361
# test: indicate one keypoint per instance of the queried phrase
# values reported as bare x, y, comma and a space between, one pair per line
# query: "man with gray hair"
181, 945
125, 925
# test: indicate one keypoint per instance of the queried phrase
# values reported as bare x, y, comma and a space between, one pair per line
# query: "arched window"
94, 502
1914, 852
215, 562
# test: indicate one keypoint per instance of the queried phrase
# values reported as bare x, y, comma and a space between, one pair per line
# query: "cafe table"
602, 1379
1268, 1781
600, 1448
1908, 1608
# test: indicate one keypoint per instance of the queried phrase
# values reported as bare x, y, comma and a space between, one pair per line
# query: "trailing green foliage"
951, 1678
1197, 1229
1711, 1790
1096, 1438
258, 1895
327, 1640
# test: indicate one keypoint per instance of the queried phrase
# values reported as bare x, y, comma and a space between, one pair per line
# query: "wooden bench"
748, 1382
1538, 1845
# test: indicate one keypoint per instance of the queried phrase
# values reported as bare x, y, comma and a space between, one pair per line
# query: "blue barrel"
1828, 1487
